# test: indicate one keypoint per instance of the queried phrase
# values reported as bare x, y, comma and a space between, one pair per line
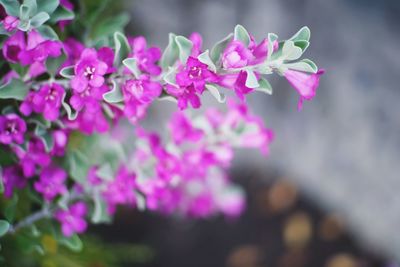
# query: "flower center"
89, 72
51, 95
195, 72
11, 128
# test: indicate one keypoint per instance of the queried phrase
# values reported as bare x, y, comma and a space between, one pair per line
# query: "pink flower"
146, 57
69, 6
73, 219
60, 138
89, 71
197, 42
13, 46
73, 48
182, 130
304, 83
47, 101
10, 23
236, 55
51, 182
12, 178
12, 129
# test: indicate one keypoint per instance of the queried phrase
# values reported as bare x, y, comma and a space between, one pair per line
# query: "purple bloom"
73, 49
47, 100
34, 156
10, 23
12, 129
182, 130
51, 182
12, 178
60, 138
236, 55
106, 54
304, 83
197, 42
69, 6
13, 46
73, 219
146, 57
185, 96
89, 71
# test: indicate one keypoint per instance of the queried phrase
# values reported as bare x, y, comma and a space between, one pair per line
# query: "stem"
31, 219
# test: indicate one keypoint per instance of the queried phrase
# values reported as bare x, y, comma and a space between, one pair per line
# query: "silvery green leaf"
9, 210
24, 25
105, 172
265, 86
39, 19
100, 214
47, 6
73, 242
185, 48
264, 68
272, 37
167, 98
1, 181
11, 7
214, 91
122, 48
290, 51
205, 58
131, 64
302, 44
47, 32
171, 52
219, 47
251, 80
32, 7
78, 166
53, 64
241, 34
15, 89
2, 30
61, 13
24, 13
4, 226
68, 72
115, 95
72, 114
45, 136
140, 202
305, 65
302, 35
108, 26
169, 76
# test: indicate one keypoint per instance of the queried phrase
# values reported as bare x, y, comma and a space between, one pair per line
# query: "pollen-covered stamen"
89, 72
51, 95
11, 128
195, 72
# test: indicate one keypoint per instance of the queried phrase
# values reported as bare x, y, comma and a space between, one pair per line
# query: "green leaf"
78, 166
9, 210
24, 13
272, 37
290, 51
1, 181
140, 202
122, 48
219, 47
45, 136
11, 7
108, 26
47, 6
61, 13
251, 80
68, 72
171, 52
47, 32
214, 91
105, 172
131, 64
72, 114
167, 98
302, 44
170, 75
2, 30
241, 34
185, 48
24, 25
73, 243
264, 87
15, 89
32, 7
4, 226
53, 64
205, 58
100, 214
305, 65
18, 68
302, 35
39, 19
115, 95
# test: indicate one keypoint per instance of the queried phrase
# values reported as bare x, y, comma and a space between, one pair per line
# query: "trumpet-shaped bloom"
146, 57
12, 129
51, 182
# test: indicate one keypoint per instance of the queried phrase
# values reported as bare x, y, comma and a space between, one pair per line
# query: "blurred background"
328, 193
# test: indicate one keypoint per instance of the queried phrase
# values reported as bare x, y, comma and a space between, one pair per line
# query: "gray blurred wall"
343, 148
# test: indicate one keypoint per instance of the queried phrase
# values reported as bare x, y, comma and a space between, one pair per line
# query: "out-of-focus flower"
51, 182
12, 129
73, 219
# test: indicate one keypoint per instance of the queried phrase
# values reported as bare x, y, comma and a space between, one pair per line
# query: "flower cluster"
65, 105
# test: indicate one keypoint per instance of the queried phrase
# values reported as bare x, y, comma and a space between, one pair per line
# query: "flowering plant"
72, 103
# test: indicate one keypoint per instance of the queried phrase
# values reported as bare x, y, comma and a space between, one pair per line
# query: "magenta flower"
106, 54
73, 219
304, 83
12, 129
236, 55
51, 182
10, 23
48, 100
90, 120
73, 48
69, 6
13, 46
12, 178
33, 157
182, 130
197, 42
60, 138
89, 71
240, 85
146, 57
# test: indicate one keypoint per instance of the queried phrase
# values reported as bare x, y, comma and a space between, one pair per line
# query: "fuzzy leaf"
47, 6
61, 13
108, 26
71, 114
122, 48
78, 166
171, 52
264, 87
185, 48
47, 32
4, 226
251, 80
100, 214
242, 35
205, 58
302, 35
290, 51
215, 92
15, 89
170, 75
302, 44
53, 64
11, 7
39, 19
115, 95
219, 47
73, 242
131, 64
305, 65
67, 72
